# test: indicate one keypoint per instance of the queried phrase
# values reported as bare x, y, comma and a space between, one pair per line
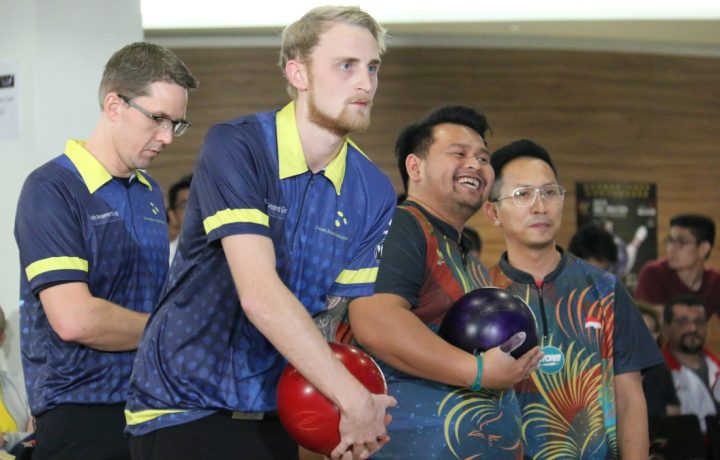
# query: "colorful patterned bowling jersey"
423, 262
591, 331
77, 223
200, 353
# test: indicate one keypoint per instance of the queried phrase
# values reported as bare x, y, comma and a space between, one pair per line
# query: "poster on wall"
9, 112
628, 210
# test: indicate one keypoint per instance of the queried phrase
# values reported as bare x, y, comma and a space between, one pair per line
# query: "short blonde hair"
300, 37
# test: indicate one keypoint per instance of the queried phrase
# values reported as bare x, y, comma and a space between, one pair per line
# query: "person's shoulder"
655, 266
243, 137
403, 217
240, 124
56, 175
714, 274
52, 170
712, 356
591, 272
586, 267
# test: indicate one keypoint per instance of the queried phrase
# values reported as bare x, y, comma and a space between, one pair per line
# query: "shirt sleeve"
402, 267
359, 275
634, 347
49, 234
229, 176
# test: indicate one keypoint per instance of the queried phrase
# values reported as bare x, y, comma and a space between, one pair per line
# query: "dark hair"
593, 241
133, 68
683, 299
702, 227
518, 149
417, 137
182, 184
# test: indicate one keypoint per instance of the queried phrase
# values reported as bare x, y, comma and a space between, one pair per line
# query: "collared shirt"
697, 397
77, 223
425, 262
591, 331
200, 353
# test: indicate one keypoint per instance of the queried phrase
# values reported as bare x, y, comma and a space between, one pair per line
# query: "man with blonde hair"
283, 220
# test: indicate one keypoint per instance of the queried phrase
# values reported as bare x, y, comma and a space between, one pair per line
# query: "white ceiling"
688, 27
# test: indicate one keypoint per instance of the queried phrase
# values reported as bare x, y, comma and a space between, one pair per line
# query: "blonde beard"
343, 124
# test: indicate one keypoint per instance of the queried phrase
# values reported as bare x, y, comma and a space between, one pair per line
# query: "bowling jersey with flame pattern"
596, 331
200, 353
425, 261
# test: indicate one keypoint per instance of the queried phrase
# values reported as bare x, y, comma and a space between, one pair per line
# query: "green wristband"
478, 378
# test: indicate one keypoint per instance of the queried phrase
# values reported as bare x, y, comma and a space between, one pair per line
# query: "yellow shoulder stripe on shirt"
136, 418
55, 263
233, 216
364, 275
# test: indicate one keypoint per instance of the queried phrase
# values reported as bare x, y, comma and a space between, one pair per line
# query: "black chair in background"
676, 437
713, 436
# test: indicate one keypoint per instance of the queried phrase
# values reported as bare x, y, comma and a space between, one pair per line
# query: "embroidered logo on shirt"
153, 207
592, 322
340, 220
276, 211
104, 218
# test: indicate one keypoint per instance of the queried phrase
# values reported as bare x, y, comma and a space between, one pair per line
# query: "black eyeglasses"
178, 127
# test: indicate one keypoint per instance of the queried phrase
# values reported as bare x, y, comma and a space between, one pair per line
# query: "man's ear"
412, 164
112, 105
297, 74
704, 249
491, 212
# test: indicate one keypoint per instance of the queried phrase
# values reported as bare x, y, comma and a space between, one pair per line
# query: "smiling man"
586, 400
93, 244
426, 266
283, 220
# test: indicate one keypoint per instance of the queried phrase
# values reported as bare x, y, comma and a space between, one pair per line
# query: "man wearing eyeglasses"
695, 370
586, 400
93, 243
683, 271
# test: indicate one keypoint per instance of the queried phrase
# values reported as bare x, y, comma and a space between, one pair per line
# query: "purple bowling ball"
487, 317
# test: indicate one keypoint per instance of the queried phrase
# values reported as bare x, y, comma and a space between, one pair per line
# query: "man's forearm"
632, 420
76, 316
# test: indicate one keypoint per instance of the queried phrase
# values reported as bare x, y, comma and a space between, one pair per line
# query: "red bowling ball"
310, 418
487, 317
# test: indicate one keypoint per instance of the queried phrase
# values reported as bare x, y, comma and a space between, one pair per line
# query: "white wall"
60, 47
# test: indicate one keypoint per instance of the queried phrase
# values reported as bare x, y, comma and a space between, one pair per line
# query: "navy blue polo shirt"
77, 223
200, 353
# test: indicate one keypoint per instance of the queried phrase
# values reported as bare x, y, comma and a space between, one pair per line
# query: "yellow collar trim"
291, 157
91, 170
